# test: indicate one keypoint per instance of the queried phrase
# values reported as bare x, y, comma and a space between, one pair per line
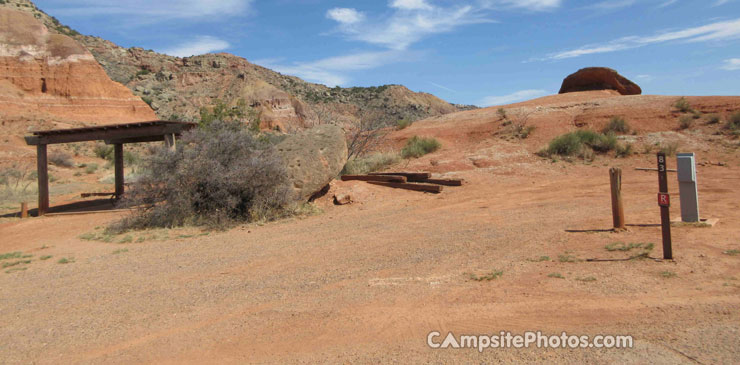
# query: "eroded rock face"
45, 76
313, 158
599, 78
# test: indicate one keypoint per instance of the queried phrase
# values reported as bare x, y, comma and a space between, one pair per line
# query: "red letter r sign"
664, 200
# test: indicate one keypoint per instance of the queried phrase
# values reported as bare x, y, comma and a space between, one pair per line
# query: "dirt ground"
367, 282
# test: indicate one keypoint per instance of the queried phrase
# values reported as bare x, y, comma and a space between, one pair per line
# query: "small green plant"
403, 124
44, 258
502, 113
683, 105
370, 163
127, 239
91, 168
685, 122
668, 274
418, 146
103, 151
733, 123
89, 236
616, 125
567, 258
621, 246
147, 100
116, 252
487, 277
65, 260
579, 142
732, 252
556, 275
624, 151
540, 259
11, 255
587, 279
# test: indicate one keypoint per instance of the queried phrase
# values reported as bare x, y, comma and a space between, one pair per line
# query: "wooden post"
170, 141
42, 170
615, 175
664, 202
118, 161
24, 210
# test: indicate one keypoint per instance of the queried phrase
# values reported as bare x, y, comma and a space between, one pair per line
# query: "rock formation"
50, 78
599, 78
313, 158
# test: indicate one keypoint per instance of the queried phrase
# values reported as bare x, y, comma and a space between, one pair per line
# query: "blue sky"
482, 52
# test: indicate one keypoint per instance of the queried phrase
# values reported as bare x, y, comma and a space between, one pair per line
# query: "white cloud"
201, 45
512, 98
667, 3
412, 21
533, 5
159, 10
612, 4
721, 2
725, 30
733, 64
332, 71
345, 16
410, 4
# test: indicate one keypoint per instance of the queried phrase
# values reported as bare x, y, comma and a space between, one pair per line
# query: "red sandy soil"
366, 283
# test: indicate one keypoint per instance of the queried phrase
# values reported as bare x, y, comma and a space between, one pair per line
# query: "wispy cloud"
512, 98
442, 87
667, 3
409, 22
198, 46
532, 5
733, 64
721, 2
612, 4
725, 30
152, 11
332, 71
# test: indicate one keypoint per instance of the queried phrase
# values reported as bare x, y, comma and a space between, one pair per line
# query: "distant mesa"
599, 78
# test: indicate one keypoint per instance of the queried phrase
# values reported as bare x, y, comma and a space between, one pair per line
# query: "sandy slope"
366, 283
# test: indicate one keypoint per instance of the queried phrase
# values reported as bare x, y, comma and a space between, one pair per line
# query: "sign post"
664, 200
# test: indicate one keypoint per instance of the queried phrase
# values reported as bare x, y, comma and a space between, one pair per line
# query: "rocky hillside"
177, 88
48, 80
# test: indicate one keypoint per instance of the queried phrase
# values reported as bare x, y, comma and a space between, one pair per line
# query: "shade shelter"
116, 134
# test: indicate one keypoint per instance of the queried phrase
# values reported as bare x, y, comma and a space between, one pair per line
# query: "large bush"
418, 146
581, 142
218, 175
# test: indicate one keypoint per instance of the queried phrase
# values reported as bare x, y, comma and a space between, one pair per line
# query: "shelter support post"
118, 161
43, 178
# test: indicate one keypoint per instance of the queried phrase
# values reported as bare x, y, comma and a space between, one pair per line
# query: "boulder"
599, 78
313, 158
342, 199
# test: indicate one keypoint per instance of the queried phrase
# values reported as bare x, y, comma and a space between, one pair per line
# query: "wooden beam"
108, 134
386, 178
416, 187
135, 140
42, 170
446, 182
87, 195
118, 161
411, 176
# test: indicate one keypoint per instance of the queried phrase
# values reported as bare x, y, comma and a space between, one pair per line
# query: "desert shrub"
685, 122
733, 122
579, 142
669, 149
418, 146
17, 181
60, 159
219, 175
683, 105
501, 113
624, 151
617, 125
91, 168
713, 119
403, 123
370, 163
103, 151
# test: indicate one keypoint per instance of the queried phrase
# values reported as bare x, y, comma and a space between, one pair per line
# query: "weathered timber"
446, 182
615, 178
87, 195
385, 178
409, 186
118, 163
411, 176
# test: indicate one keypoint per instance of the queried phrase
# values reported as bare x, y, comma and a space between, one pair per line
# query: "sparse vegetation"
540, 259
582, 143
418, 146
556, 275
685, 122
502, 113
123, 250
616, 125
60, 159
403, 124
219, 175
370, 163
587, 279
91, 168
103, 151
17, 182
621, 246
732, 252
486, 277
668, 274
669, 149
44, 258
624, 150
733, 123
567, 258
683, 105
713, 119
65, 260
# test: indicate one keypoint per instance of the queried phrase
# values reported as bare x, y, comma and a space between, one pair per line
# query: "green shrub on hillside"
417, 147
683, 105
581, 142
685, 122
370, 163
617, 125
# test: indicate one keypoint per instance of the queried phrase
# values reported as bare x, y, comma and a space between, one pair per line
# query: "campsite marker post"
664, 200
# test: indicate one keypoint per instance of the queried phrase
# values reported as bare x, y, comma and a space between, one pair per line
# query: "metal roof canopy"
115, 134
